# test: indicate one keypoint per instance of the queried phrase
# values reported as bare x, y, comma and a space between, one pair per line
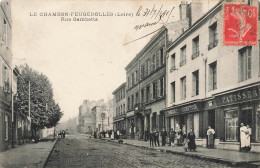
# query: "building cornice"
121, 86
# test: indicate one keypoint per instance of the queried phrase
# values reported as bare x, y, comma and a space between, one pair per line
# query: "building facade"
119, 104
146, 82
85, 115
6, 118
210, 84
102, 118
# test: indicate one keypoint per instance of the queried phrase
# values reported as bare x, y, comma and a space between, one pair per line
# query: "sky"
84, 59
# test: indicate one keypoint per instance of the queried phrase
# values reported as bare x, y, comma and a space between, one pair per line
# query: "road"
81, 151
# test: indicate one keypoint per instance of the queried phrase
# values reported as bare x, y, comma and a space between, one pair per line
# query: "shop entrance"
211, 118
246, 116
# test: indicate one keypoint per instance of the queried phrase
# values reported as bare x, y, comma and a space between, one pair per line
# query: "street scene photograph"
129, 84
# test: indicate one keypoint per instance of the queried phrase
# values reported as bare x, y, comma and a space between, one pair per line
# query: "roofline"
195, 24
123, 84
162, 29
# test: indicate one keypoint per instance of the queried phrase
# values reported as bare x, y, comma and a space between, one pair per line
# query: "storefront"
130, 121
184, 117
236, 107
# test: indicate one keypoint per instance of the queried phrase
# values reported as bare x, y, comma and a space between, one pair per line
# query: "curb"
44, 164
198, 156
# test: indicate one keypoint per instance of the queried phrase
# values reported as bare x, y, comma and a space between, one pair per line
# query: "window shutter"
193, 85
210, 78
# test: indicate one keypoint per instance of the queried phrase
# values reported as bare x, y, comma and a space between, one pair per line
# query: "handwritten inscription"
159, 15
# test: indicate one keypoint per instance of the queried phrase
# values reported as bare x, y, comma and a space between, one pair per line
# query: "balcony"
195, 55
183, 63
213, 44
173, 69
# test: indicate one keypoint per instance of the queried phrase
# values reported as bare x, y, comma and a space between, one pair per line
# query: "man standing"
151, 136
172, 136
156, 138
164, 135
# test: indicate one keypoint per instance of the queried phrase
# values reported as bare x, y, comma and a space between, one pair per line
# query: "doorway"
211, 118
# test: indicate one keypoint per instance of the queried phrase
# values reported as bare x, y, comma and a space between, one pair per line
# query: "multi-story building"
119, 104
145, 88
211, 84
85, 115
102, 118
6, 117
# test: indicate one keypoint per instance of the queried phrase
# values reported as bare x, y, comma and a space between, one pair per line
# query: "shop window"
183, 56
213, 76
244, 64
173, 91
195, 83
231, 125
183, 88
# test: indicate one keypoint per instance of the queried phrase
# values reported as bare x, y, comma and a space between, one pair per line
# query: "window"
136, 98
195, 83
162, 57
6, 79
6, 127
148, 66
4, 38
153, 69
213, 36
136, 77
173, 91
183, 56
142, 71
133, 79
154, 90
161, 87
213, 76
128, 103
124, 108
173, 66
183, 88
195, 48
147, 94
231, 125
244, 61
133, 101
129, 82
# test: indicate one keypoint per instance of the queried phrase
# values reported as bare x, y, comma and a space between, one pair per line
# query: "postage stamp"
240, 24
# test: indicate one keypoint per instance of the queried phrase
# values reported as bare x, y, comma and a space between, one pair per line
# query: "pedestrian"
248, 134
163, 135
95, 134
151, 136
156, 138
191, 140
172, 136
243, 137
109, 133
210, 134
179, 138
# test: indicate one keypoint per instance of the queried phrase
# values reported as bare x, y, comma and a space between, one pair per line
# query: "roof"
121, 86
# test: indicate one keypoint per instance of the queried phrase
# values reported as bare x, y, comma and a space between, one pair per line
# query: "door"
211, 119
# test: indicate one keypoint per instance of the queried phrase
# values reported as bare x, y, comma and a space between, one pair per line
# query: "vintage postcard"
121, 83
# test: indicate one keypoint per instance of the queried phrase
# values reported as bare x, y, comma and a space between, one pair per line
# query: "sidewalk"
28, 155
234, 158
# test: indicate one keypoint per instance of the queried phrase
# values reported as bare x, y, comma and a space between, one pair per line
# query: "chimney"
196, 11
184, 10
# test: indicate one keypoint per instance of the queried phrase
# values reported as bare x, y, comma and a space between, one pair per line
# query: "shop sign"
129, 114
190, 108
244, 95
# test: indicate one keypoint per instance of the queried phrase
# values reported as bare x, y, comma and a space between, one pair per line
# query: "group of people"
62, 134
101, 134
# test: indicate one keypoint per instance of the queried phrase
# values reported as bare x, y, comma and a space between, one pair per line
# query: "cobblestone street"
81, 151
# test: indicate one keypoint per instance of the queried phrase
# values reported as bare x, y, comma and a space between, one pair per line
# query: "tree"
45, 112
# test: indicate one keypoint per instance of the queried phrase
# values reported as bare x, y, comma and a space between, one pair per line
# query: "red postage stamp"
240, 24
